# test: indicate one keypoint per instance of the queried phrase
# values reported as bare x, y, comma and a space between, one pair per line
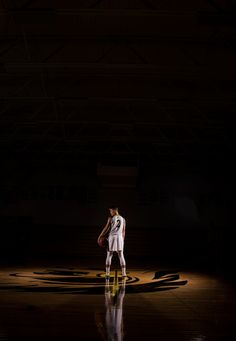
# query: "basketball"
102, 241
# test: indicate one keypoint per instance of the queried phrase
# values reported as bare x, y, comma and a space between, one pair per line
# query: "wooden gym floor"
64, 302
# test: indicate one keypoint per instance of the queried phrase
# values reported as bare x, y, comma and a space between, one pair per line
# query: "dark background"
124, 102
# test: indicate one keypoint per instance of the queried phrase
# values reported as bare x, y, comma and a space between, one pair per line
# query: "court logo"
72, 281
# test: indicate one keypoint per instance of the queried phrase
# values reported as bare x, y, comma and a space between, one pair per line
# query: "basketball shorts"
115, 243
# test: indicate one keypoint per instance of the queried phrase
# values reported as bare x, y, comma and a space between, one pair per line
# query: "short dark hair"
113, 207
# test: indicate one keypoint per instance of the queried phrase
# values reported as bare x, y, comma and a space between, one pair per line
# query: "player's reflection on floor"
110, 326
114, 296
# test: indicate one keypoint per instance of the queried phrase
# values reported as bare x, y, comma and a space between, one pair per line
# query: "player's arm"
105, 229
124, 227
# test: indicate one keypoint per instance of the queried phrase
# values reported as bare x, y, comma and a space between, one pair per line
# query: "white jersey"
117, 225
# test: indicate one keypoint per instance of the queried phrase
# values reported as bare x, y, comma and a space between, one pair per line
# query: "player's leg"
122, 262
108, 262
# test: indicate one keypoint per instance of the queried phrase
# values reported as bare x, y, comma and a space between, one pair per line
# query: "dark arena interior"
127, 103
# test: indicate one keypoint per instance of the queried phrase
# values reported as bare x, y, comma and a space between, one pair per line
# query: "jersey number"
118, 224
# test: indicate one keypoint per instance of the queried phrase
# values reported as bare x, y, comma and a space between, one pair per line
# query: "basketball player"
115, 227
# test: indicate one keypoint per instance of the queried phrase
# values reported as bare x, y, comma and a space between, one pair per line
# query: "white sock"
122, 262
108, 262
